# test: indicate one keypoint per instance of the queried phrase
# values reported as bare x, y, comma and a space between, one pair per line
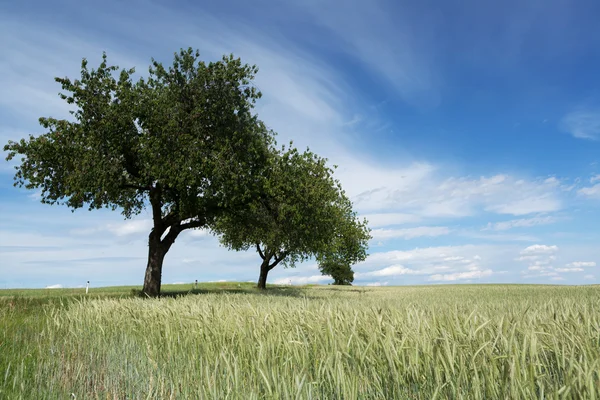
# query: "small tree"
183, 142
295, 218
342, 274
348, 246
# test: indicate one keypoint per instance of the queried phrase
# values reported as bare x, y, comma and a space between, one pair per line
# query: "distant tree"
342, 274
183, 142
297, 216
348, 246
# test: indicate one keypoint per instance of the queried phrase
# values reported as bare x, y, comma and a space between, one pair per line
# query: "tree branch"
199, 223
278, 259
176, 229
260, 253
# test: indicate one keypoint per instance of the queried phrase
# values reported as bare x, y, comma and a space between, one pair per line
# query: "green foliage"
428, 342
185, 133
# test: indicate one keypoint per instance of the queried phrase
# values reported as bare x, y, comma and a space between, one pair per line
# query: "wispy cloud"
581, 264
592, 192
394, 270
418, 190
410, 233
520, 223
583, 124
364, 30
475, 274
444, 263
568, 269
498, 237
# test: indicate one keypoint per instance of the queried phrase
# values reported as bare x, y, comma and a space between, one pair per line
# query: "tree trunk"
264, 271
156, 256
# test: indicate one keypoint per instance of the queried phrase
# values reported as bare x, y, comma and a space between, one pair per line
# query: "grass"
226, 341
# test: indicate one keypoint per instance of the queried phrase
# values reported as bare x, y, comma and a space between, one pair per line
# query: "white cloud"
394, 270
591, 192
421, 255
540, 258
57, 286
589, 277
444, 263
539, 249
520, 223
568, 269
534, 204
557, 278
377, 284
581, 264
595, 178
461, 275
500, 237
410, 233
583, 124
423, 191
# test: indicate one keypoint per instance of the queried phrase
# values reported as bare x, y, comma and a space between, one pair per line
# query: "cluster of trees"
185, 143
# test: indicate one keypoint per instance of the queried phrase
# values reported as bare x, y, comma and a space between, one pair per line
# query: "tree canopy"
302, 212
183, 142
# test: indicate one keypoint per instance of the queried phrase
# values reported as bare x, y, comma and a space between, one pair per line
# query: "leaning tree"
298, 214
183, 142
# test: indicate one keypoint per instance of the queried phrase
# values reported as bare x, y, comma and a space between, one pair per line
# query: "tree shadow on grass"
279, 291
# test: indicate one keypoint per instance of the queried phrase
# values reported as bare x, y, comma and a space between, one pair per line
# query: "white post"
87, 287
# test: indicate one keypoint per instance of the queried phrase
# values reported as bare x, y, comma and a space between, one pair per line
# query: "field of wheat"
444, 342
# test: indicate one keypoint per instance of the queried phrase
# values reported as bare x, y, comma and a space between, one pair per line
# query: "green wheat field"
227, 341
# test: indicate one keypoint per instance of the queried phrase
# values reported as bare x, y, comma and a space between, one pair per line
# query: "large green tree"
300, 211
183, 142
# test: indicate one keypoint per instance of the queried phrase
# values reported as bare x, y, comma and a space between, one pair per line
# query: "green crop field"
227, 341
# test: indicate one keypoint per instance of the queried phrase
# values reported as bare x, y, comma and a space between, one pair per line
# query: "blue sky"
467, 132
